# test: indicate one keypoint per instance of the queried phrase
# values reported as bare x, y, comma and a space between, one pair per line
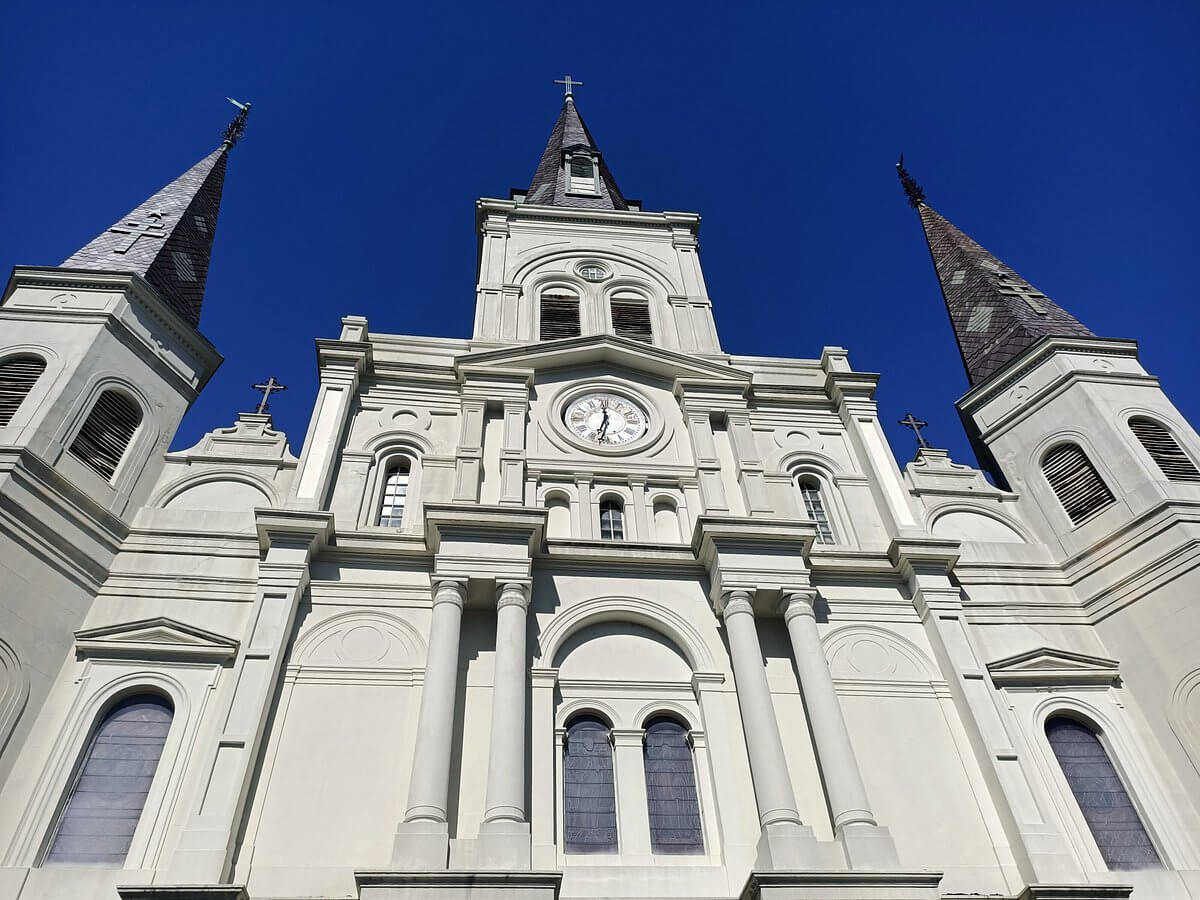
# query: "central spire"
572, 172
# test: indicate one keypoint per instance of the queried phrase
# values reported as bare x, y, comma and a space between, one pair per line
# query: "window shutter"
17, 378
1075, 480
1164, 450
631, 318
560, 316
106, 433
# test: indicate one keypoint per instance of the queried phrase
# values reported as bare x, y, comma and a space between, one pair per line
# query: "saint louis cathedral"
581, 605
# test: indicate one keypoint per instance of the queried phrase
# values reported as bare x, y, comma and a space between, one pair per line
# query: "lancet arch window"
394, 498
589, 794
106, 433
612, 519
1075, 481
1170, 458
18, 375
558, 312
631, 316
112, 782
673, 804
815, 508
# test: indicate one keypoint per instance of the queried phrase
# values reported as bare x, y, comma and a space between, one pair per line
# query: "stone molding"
1046, 666
157, 638
805, 885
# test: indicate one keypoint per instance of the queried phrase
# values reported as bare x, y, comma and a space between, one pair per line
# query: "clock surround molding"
651, 440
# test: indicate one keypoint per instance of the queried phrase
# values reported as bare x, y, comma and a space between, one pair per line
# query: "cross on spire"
267, 387
568, 83
911, 421
151, 228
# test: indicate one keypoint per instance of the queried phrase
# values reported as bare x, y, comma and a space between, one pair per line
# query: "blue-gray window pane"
1101, 796
106, 801
589, 801
671, 789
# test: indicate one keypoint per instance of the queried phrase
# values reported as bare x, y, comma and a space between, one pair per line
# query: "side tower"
100, 357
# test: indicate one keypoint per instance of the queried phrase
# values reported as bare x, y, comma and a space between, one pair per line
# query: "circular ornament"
605, 419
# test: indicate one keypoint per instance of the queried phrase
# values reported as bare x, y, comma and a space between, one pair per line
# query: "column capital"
736, 601
450, 590
628, 737
798, 603
512, 593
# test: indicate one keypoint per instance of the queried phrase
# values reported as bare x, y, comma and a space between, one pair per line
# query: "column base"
790, 845
868, 846
500, 846
383, 885
421, 846
842, 886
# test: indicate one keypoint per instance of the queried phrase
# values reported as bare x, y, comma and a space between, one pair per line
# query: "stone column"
422, 839
785, 842
866, 845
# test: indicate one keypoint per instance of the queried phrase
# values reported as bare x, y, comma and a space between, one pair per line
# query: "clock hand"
604, 424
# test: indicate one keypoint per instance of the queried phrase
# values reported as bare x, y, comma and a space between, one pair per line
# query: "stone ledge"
842, 886
182, 892
379, 884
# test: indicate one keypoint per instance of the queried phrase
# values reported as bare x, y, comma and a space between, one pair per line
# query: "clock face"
606, 420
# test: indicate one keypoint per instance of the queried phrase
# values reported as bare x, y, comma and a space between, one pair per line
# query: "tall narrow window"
110, 790
589, 798
559, 314
1102, 798
395, 495
18, 374
814, 505
582, 175
612, 520
671, 789
631, 316
1163, 449
106, 433
1075, 481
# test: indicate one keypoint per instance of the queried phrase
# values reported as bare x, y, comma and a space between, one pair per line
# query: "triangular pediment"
159, 638
1046, 666
605, 348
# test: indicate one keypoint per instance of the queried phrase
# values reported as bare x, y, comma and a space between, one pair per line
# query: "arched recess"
386, 449
969, 523
558, 514
14, 691
870, 652
1183, 712
141, 443
361, 640
667, 523
246, 491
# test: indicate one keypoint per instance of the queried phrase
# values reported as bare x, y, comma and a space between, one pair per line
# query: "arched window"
631, 316
106, 433
559, 314
666, 522
814, 506
589, 798
1075, 481
671, 789
612, 520
582, 175
1163, 449
1102, 798
18, 374
98, 821
395, 494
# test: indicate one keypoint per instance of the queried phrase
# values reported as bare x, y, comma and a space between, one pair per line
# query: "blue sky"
1062, 136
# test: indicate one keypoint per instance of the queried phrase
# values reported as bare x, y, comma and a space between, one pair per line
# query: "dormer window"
581, 171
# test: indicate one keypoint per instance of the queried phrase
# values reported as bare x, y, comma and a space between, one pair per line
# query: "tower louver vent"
631, 318
1079, 487
17, 378
560, 317
1164, 450
106, 433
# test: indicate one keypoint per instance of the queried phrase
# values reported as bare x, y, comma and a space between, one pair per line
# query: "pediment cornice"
158, 638
1047, 666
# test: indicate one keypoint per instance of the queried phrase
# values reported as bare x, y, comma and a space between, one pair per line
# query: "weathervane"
911, 421
568, 84
912, 190
268, 387
235, 129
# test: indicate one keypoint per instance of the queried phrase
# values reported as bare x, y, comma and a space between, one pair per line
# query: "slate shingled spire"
996, 314
550, 186
168, 239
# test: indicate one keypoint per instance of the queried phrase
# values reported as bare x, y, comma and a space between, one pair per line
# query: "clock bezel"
654, 417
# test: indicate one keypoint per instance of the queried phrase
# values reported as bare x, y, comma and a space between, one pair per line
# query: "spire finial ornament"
235, 129
912, 190
267, 387
911, 421
568, 84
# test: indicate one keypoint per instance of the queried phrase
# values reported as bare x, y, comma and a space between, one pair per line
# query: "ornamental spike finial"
235, 129
912, 190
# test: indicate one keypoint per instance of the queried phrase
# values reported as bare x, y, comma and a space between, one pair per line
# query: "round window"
592, 272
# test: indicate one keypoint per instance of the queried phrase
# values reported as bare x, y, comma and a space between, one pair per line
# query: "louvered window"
1110, 814
395, 496
18, 374
559, 315
814, 505
106, 433
582, 175
674, 808
631, 317
612, 520
589, 798
110, 789
1164, 450
1075, 480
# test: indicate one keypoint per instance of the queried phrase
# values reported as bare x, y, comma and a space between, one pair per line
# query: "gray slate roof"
996, 314
549, 184
176, 228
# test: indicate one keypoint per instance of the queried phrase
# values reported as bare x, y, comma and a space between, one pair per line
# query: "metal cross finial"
911, 421
151, 228
913, 191
568, 83
267, 387
235, 129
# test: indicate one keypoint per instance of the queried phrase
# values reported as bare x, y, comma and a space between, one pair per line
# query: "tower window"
184, 269
582, 175
106, 433
589, 797
814, 505
1163, 449
18, 375
612, 520
1075, 481
395, 495
201, 224
671, 789
631, 316
559, 314
1110, 814
114, 779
